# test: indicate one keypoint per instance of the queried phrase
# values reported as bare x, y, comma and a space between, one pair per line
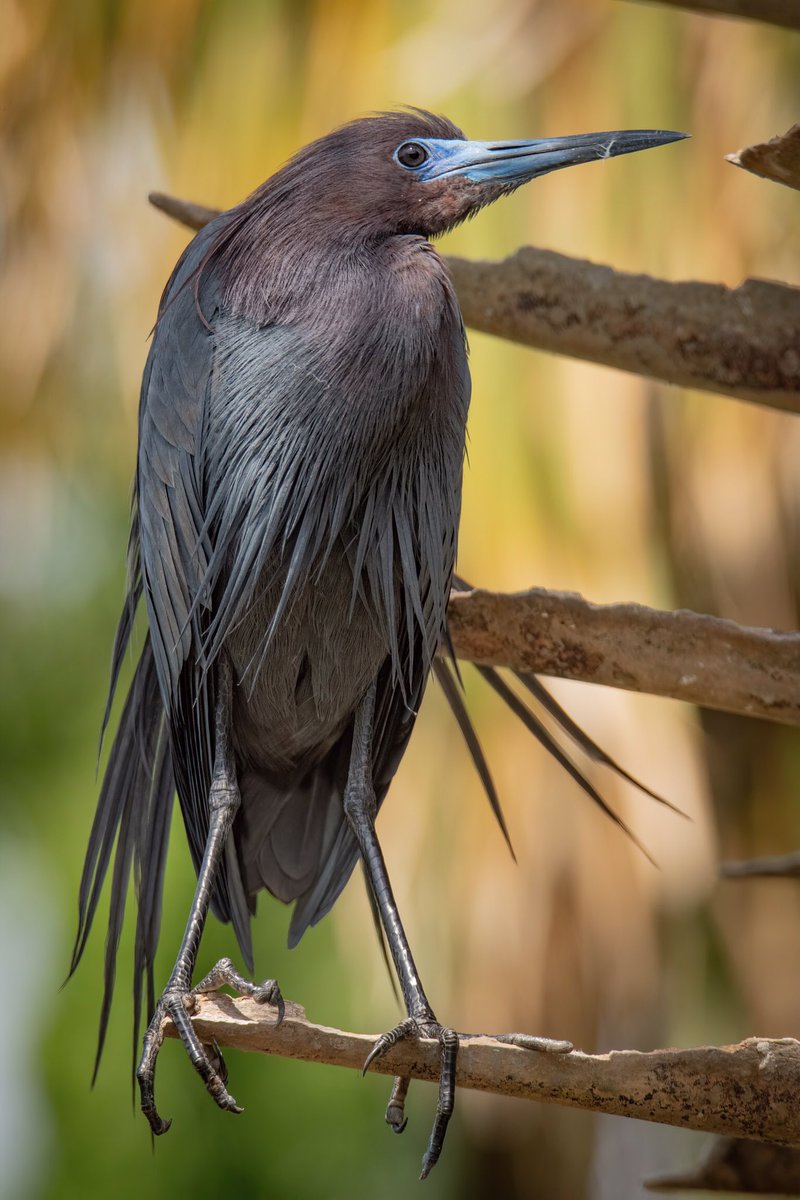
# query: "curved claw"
173, 1005
275, 998
207, 1061
146, 1072
408, 1028
427, 1027
377, 1051
448, 1041
224, 974
215, 1057
397, 1125
395, 1116
214, 1080
157, 1123
148, 1104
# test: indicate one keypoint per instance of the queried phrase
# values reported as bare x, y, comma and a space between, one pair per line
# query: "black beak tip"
641, 139
663, 136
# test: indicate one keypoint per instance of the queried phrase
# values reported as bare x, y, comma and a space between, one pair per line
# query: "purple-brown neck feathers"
311, 234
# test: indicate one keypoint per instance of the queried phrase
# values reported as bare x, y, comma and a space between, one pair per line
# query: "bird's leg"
360, 809
178, 997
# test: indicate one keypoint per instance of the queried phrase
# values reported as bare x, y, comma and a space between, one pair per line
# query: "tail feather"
294, 840
458, 708
335, 870
303, 852
133, 814
116, 915
542, 735
581, 738
149, 866
562, 719
279, 831
125, 625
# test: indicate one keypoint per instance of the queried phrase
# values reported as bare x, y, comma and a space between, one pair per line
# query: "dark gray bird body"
315, 445
301, 441
348, 577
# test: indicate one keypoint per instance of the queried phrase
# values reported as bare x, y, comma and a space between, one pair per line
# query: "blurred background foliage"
580, 478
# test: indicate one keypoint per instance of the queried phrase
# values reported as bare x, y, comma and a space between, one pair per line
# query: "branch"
748, 1090
684, 655
755, 1168
775, 12
741, 341
699, 659
783, 866
778, 159
185, 212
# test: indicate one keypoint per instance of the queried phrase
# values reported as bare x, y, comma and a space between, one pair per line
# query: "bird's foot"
425, 1026
177, 1003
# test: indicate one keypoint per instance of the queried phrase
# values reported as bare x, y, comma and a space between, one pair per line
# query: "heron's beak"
514, 163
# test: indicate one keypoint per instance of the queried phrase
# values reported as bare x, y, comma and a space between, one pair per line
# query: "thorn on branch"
777, 159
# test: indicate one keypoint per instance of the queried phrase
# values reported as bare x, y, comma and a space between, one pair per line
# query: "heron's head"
413, 172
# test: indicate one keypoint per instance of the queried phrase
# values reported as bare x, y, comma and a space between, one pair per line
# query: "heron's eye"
412, 154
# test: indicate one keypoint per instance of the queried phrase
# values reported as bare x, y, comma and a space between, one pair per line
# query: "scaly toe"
527, 1041
395, 1116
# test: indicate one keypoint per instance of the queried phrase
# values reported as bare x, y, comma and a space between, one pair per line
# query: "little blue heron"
295, 514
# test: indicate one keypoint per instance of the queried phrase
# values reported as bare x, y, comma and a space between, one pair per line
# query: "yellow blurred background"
580, 478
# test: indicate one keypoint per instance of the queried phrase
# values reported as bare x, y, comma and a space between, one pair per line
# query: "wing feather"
171, 495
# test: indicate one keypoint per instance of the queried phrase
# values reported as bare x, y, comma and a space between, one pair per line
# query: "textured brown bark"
703, 660
774, 12
742, 342
748, 1090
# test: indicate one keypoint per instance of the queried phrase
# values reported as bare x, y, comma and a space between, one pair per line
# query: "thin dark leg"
360, 809
178, 996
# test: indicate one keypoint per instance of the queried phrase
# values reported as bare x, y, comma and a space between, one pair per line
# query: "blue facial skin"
517, 162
